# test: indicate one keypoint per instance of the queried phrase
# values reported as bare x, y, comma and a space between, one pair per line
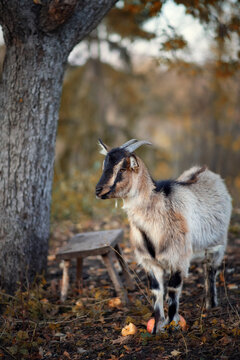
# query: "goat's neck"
142, 192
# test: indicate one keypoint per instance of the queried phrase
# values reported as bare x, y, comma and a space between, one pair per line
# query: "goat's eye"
122, 170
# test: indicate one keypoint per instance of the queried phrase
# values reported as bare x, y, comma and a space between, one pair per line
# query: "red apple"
150, 325
182, 323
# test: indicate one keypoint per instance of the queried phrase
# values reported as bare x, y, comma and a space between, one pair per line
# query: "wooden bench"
104, 243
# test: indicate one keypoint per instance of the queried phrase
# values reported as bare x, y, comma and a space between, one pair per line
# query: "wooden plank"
90, 243
65, 280
79, 279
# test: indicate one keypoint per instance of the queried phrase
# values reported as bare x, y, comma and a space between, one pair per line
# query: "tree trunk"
39, 35
31, 89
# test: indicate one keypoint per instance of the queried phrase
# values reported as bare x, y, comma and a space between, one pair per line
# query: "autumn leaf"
67, 355
79, 303
175, 353
115, 302
225, 340
129, 329
121, 340
232, 286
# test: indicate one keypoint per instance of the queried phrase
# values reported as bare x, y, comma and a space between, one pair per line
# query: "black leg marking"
212, 286
148, 244
154, 284
175, 282
172, 305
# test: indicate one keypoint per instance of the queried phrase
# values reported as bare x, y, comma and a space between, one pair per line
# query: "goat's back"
207, 207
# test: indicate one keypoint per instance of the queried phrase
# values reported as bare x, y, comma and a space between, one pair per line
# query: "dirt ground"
35, 325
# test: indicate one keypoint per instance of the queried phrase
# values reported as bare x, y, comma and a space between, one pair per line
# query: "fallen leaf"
67, 354
59, 334
221, 277
127, 250
175, 353
79, 303
129, 329
81, 350
122, 340
225, 340
51, 257
44, 301
115, 302
232, 286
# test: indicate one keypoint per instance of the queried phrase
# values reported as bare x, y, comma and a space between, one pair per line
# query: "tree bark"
38, 40
32, 89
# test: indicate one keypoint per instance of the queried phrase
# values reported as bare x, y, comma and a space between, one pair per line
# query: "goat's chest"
147, 231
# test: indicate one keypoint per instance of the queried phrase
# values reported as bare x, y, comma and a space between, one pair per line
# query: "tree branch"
65, 21
55, 13
86, 17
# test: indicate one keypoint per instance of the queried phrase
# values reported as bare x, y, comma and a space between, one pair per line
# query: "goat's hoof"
210, 306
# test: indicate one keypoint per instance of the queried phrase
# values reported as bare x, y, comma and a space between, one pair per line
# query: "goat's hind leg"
157, 288
211, 268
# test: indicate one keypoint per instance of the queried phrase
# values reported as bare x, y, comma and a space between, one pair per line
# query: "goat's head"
119, 169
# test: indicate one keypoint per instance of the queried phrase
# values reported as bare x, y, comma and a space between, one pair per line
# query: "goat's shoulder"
165, 186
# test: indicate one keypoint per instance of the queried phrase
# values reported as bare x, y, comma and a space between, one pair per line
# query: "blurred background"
164, 71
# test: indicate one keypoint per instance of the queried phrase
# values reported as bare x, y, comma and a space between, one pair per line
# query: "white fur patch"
133, 162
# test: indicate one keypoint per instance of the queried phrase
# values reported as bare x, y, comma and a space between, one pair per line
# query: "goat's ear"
103, 148
133, 163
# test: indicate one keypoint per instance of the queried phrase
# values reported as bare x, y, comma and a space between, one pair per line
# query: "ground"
35, 325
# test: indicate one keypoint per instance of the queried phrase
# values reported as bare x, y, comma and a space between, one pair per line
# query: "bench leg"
125, 269
65, 280
115, 277
79, 279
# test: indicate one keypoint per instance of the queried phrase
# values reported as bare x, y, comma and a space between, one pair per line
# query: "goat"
171, 222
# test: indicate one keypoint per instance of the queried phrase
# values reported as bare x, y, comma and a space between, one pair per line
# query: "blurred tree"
39, 35
124, 24
105, 109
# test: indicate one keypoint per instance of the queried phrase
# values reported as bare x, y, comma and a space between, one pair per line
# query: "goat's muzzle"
101, 194
98, 191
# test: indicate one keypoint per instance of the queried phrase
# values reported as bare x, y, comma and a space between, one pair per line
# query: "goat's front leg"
155, 277
174, 292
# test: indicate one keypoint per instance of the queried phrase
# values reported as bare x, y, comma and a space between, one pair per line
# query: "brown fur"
180, 222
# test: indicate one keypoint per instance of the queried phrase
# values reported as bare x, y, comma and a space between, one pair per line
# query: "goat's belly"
206, 232
208, 239
200, 255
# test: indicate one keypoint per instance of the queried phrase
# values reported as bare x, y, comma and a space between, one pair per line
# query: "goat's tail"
191, 176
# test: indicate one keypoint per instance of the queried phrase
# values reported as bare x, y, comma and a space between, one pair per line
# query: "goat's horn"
133, 147
127, 143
